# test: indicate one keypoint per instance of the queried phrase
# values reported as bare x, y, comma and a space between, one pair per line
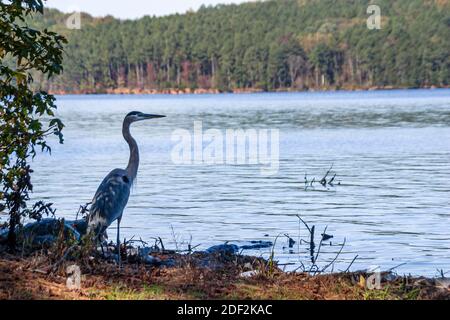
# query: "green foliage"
23, 51
268, 45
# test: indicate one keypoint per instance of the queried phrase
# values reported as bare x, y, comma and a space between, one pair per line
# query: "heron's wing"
109, 200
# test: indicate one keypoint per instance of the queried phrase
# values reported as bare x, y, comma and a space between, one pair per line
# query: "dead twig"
312, 245
303, 221
331, 180
320, 245
335, 258
323, 182
162, 244
55, 266
401, 264
174, 238
351, 263
83, 209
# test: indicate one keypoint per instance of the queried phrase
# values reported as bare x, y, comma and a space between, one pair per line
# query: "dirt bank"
33, 278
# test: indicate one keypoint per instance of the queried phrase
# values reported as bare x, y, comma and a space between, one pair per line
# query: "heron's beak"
151, 116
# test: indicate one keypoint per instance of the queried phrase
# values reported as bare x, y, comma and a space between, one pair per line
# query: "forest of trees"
269, 45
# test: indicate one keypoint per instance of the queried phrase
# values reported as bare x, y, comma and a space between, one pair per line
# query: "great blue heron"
113, 193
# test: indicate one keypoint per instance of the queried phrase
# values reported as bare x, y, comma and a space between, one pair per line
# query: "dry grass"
26, 278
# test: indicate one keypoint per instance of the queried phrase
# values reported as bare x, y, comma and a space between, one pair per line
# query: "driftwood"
314, 268
46, 231
327, 181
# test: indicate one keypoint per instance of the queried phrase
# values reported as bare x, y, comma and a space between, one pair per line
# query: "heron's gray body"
110, 200
113, 193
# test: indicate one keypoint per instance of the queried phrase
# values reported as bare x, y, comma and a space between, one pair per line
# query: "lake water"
389, 149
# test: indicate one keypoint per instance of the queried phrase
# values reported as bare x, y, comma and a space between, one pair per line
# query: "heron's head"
139, 116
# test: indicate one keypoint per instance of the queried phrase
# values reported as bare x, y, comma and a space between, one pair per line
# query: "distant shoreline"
201, 91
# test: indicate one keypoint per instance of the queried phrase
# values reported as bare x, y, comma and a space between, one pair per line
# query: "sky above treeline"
132, 9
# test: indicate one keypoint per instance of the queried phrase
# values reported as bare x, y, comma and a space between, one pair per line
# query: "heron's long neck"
133, 163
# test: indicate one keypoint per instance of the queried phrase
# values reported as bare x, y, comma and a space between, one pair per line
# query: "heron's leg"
101, 246
99, 240
118, 241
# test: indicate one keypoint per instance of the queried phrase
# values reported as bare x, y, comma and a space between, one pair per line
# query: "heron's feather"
109, 200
